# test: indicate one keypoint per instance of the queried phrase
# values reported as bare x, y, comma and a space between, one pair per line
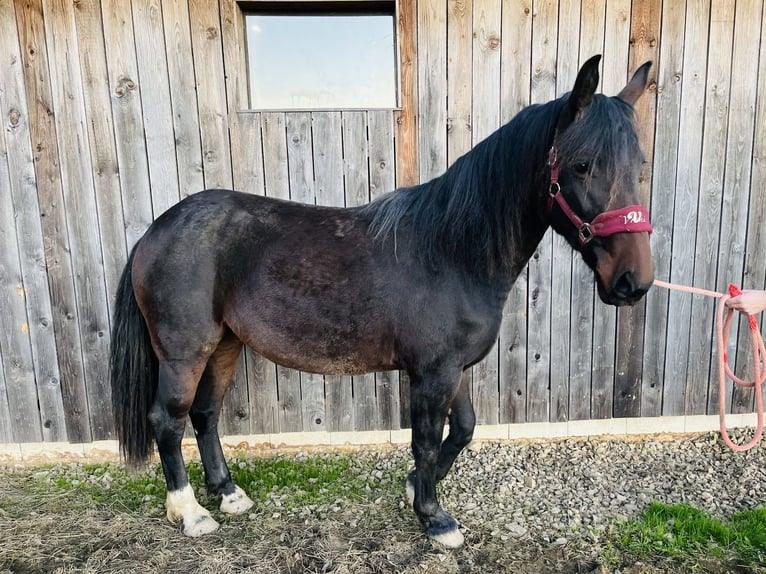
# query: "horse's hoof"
409, 489
237, 502
183, 507
199, 525
444, 530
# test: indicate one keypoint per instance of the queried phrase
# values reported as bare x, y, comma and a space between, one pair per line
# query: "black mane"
473, 213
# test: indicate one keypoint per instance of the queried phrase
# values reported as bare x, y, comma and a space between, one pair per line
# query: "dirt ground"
60, 533
60, 530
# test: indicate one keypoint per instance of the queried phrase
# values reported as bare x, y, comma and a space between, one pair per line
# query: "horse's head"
594, 164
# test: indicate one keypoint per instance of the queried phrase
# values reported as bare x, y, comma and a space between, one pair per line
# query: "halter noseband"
630, 219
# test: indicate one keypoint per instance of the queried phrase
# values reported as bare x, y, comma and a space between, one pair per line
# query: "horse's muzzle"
626, 289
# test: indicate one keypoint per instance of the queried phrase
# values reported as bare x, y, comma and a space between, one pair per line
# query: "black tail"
134, 373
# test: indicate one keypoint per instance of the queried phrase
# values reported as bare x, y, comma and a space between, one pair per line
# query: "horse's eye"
582, 168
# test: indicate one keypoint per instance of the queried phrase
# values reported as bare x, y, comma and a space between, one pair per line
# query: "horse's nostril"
626, 287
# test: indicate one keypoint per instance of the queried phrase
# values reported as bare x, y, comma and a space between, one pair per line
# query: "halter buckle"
585, 233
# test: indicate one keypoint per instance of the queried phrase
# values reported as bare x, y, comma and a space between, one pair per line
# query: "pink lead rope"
759, 359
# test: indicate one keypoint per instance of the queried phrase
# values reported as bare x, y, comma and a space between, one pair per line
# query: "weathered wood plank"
261, 375
485, 119
459, 78
432, 93
739, 152
81, 210
37, 330
128, 117
592, 23
406, 118
645, 30
515, 87
327, 135
615, 63
255, 377
301, 185
755, 262
700, 385
204, 18
32, 40
183, 96
6, 422
663, 183
101, 136
516, 57
276, 178
543, 89
685, 216
356, 183
156, 103
562, 254
382, 162
614, 67
276, 184
15, 345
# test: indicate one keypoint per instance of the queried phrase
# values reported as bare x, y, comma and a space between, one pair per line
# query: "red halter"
630, 219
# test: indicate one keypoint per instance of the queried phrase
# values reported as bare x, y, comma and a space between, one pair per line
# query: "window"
321, 55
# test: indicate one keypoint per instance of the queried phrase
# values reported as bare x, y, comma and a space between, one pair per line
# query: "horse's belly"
314, 360
327, 351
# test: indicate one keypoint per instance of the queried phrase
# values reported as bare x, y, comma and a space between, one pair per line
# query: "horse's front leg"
431, 396
461, 424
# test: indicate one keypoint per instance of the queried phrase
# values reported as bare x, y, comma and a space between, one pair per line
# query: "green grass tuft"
293, 481
684, 532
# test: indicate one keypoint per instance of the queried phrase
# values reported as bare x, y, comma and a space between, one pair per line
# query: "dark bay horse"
416, 280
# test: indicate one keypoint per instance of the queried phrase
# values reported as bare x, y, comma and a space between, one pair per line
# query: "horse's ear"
585, 86
582, 94
636, 85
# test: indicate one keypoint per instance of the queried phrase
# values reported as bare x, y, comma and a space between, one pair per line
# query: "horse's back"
292, 281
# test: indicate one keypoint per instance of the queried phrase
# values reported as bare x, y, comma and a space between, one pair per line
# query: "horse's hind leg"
432, 396
175, 394
204, 415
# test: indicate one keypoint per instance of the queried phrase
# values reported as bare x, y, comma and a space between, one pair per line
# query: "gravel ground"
531, 507
549, 491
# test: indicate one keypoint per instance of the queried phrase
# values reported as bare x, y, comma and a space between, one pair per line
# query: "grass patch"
688, 534
287, 482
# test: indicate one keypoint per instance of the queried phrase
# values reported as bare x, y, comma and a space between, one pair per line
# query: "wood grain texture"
663, 191
515, 72
20, 199
739, 153
485, 119
708, 208
183, 96
209, 73
58, 263
631, 321
114, 111
382, 170
685, 215
406, 118
81, 215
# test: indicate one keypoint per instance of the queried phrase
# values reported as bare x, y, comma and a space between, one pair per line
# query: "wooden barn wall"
112, 111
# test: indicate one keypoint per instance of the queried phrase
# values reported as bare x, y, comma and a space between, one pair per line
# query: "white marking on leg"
451, 539
237, 502
183, 506
409, 492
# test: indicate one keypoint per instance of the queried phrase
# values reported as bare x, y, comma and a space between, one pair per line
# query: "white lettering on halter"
633, 217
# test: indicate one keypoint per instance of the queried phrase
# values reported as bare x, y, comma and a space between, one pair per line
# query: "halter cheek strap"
630, 219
